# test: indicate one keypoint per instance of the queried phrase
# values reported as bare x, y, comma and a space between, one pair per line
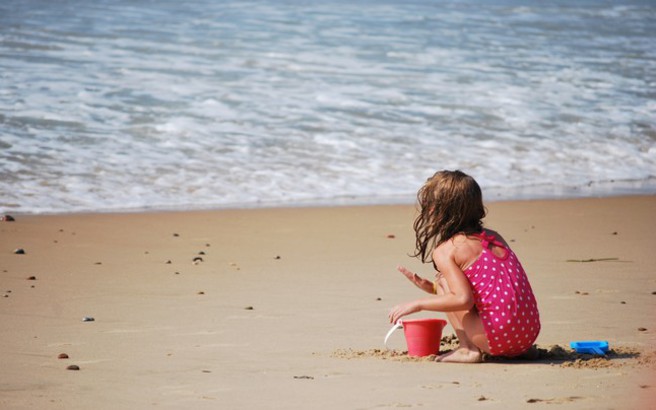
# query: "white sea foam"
245, 104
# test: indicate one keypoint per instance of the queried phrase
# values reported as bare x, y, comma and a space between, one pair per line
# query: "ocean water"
121, 105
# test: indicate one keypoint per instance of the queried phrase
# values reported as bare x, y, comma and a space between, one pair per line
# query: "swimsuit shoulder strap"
487, 239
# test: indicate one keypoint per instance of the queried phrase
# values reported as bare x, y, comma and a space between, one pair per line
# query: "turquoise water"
114, 105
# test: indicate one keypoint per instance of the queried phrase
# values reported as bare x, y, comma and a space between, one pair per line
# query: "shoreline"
280, 292
529, 193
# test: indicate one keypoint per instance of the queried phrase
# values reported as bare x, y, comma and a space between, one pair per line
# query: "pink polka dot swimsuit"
504, 300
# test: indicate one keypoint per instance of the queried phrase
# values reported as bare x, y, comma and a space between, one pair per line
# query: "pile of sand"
554, 355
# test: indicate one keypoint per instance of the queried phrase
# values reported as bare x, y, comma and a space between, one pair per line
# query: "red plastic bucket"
423, 336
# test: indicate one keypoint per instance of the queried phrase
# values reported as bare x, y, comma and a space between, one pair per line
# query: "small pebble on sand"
249, 308
73, 367
31, 278
62, 356
642, 329
201, 293
391, 236
88, 319
19, 251
7, 218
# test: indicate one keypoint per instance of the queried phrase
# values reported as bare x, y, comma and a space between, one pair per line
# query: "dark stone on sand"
642, 329
176, 235
169, 262
31, 278
623, 302
197, 259
379, 299
7, 218
88, 319
62, 356
19, 251
614, 233
201, 253
249, 308
277, 257
73, 367
98, 263
201, 293
482, 398
391, 236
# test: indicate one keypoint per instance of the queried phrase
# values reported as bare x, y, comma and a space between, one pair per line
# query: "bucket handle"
398, 325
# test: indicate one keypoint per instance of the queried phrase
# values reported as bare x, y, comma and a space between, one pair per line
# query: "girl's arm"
458, 298
423, 284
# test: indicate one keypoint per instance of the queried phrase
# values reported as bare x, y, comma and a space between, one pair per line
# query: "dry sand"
288, 310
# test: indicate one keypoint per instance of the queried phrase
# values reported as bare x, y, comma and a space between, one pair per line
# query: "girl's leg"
469, 329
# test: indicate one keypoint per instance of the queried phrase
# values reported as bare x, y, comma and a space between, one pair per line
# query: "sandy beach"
287, 309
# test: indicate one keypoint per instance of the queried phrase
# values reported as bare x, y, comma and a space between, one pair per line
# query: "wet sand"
287, 309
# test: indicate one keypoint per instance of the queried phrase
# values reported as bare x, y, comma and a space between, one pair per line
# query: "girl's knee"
441, 286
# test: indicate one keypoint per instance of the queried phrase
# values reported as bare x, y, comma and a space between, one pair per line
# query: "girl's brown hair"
450, 202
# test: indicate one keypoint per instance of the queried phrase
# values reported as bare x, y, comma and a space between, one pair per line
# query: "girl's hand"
399, 311
423, 284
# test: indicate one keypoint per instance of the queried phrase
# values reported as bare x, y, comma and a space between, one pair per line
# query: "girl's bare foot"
461, 355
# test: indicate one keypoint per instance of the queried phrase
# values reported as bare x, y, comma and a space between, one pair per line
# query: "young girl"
479, 283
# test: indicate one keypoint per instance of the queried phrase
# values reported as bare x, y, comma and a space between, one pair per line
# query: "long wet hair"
449, 203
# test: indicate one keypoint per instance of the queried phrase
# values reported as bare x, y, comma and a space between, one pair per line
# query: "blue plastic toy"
590, 347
